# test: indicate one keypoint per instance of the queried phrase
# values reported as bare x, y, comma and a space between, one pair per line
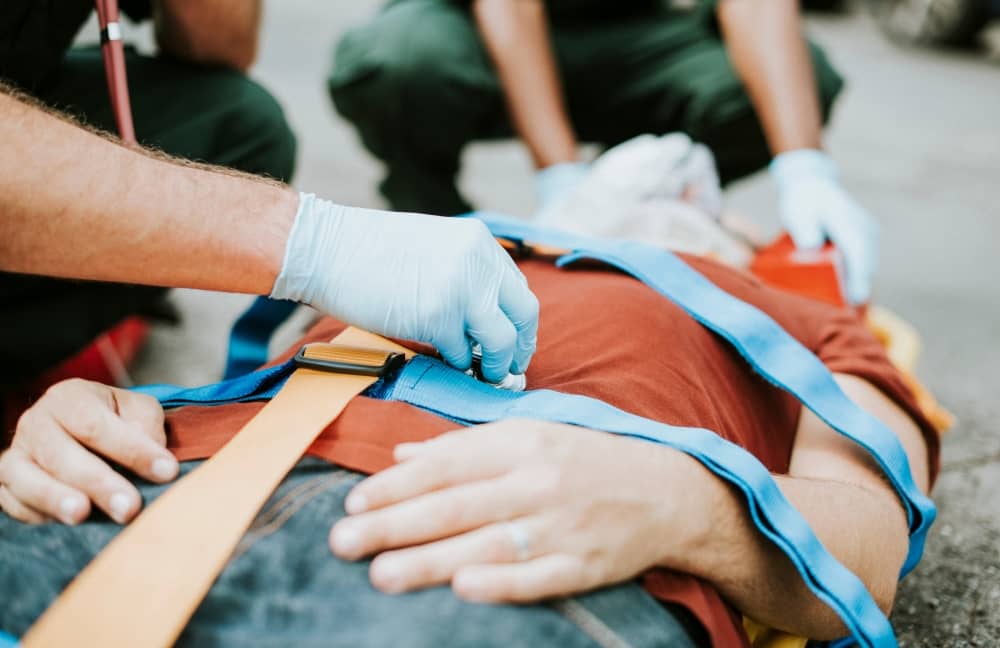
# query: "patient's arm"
846, 500
597, 509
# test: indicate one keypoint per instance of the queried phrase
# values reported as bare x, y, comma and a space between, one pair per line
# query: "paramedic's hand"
518, 511
553, 183
815, 207
444, 281
56, 465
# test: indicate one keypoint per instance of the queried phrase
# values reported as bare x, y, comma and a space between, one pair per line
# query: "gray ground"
917, 136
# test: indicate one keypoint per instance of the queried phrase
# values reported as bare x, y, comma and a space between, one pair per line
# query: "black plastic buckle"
340, 358
476, 366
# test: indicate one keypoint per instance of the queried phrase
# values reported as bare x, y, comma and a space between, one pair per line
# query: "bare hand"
54, 467
516, 512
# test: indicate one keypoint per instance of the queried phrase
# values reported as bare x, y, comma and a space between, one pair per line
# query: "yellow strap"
762, 636
142, 589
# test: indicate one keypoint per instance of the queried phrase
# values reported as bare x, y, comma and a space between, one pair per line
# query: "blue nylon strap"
262, 384
251, 333
7, 641
771, 351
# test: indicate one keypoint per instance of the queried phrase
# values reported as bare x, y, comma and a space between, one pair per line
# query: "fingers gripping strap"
771, 351
144, 586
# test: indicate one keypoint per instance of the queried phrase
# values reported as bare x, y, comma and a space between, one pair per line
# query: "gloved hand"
443, 281
557, 181
815, 207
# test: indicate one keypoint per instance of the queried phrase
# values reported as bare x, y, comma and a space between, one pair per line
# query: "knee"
721, 101
720, 115
257, 133
406, 62
718, 111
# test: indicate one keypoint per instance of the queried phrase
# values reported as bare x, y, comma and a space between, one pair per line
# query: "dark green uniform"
200, 113
418, 84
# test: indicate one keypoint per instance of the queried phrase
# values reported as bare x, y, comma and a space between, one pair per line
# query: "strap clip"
340, 358
111, 32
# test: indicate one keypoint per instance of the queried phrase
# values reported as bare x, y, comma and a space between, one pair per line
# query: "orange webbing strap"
142, 589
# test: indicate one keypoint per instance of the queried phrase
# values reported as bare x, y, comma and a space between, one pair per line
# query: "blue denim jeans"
283, 587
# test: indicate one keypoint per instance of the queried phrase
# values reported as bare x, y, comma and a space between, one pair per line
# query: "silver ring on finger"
520, 539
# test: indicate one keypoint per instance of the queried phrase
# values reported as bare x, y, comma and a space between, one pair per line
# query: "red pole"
114, 67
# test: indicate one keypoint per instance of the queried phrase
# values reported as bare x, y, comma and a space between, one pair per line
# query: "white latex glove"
815, 207
443, 281
557, 181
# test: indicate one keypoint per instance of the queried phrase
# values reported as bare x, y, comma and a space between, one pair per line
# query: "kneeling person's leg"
206, 114
668, 70
719, 112
44, 321
418, 85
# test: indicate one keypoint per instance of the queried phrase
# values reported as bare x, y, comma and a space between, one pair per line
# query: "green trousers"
206, 114
418, 84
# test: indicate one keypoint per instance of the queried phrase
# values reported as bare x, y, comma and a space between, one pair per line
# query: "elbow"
887, 599
884, 584
242, 62
887, 564
880, 577
239, 56
237, 51
884, 567
827, 626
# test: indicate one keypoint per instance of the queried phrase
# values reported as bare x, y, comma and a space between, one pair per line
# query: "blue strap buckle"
344, 359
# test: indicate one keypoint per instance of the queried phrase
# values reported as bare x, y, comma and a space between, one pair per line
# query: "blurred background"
917, 137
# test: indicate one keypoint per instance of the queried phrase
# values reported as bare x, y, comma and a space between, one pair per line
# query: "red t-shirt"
605, 335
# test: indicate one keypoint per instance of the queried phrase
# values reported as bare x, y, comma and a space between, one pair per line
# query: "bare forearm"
517, 39
765, 43
222, 32
74, 204
865, 531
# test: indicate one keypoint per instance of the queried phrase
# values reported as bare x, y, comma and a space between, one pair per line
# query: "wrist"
547, 132
792, 167
556, 153
274, 234
311, 238
235, 229
699, 517
557, 180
